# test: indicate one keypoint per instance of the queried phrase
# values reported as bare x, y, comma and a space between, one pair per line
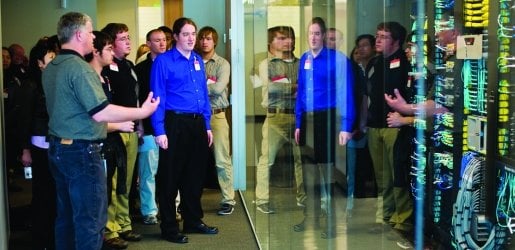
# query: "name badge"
113, 67
395, 63
196, 64
307, 64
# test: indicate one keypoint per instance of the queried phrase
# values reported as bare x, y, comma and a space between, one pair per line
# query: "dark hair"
165, 29
101, 40
371, 39
38, 52
352, 54
397, 31
54, 40
321, 23
149, 34
114, 28
178, 24
284, 30
206, 30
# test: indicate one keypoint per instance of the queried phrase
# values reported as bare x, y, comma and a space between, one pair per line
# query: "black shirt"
385, 75
124, 82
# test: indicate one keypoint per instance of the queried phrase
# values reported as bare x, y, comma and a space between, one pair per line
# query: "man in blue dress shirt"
182, 128
325, 90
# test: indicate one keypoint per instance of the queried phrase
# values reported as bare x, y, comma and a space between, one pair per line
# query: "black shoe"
115, 243
201, 229
129, 235
176, 238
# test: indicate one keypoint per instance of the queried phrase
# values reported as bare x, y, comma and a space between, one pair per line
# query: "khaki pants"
223, 161
277, 130
394, 205
118, 219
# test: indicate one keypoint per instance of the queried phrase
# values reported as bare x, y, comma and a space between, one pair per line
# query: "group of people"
89, 116
86, 117
308, 99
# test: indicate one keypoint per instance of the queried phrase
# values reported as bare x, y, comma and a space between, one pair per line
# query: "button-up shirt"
180, 82
325, 82
279, 77
218, 71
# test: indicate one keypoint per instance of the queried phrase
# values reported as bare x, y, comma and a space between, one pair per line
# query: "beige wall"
24, 22
120, 11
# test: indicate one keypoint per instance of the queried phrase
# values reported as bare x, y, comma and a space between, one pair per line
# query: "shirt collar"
70, 52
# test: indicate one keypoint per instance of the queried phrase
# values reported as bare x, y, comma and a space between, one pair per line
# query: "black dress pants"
182, 168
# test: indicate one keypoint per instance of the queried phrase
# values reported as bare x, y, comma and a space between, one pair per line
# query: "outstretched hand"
396, 102
150, 104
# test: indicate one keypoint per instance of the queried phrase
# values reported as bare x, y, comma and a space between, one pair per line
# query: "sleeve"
345, 93
263, 76
301, 94
280, 83
89, 92
222, 78
27, 102
158, 86
200, 76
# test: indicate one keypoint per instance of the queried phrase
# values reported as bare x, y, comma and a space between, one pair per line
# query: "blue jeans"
80, 181
352, 155
148, 160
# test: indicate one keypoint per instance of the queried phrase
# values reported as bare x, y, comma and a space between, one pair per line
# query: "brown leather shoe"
115, 243
129, 235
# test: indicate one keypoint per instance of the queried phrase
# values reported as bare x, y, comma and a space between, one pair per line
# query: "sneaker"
226, 209
405, 244
150, 220
265, 208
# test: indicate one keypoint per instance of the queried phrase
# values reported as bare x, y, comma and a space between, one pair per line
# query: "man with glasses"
124, 85
389, 71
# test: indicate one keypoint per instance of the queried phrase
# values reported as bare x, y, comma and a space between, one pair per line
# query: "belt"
280, 110
216, 111
187, 115
71, 141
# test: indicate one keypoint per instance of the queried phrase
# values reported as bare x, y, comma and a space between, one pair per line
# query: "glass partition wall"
276, 36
